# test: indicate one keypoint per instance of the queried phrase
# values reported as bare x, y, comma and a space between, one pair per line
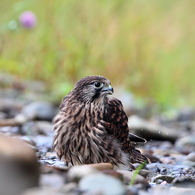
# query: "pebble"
40, 110
150, 130
54, 180
105, 184
42, 191
156, 190
184, 182
165, 190
186, 141
160, 178
189, 163
191, 157
34, 128
19, 168
128, 175
78, 172
68, 188
181, 191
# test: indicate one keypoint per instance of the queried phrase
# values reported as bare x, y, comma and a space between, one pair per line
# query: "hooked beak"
108, 90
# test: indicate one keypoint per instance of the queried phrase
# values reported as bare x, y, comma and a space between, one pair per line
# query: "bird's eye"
98, 84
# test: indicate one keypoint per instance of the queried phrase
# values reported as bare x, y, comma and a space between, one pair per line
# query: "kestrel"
92, 127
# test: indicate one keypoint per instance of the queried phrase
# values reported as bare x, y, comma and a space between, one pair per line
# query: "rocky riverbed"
25, 126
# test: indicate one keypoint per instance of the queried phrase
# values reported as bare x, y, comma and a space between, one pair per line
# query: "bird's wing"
117, 122
117, 126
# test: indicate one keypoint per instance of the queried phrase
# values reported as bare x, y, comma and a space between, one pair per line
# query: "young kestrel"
92, 127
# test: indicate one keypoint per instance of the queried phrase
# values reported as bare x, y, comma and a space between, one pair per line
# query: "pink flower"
28, 19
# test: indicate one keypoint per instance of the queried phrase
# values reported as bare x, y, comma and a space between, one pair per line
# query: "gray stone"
160, 178
19, 169
106, 184
40, 110
184, 182
42, 191
191, 157
80, 171
68, 188
165, 190
186, 141
149, 130
181, 191
127, 175
55, 181
188, 163
156, 190
37, 128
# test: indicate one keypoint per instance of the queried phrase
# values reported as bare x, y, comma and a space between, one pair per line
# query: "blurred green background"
146, 46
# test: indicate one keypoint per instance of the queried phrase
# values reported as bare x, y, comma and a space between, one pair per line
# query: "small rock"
10, 130
188, 163
160, 178
41, 191
134, 177
50, 155
39, 110
68, 188
181, 191
114, 173
106, 184
128, 176
80, 171
53, 180
34, 128
19, 168
157, 190
10, 104
191, 157
187, 142
184, 182
43, 142
173, 170
149, 130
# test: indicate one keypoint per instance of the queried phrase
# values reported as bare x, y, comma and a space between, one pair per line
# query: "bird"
92, 127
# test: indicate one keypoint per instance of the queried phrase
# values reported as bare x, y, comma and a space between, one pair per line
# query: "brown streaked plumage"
92, 127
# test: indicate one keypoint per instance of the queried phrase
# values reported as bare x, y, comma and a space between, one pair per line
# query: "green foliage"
147, 46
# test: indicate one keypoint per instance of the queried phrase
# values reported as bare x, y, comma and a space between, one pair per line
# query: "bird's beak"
108, 89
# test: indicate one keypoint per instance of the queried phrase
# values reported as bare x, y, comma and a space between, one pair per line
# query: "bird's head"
91, 88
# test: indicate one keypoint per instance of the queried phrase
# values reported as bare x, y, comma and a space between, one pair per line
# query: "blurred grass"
147, 46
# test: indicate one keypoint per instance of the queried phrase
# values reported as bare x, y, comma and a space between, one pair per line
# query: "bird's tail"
137, 157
